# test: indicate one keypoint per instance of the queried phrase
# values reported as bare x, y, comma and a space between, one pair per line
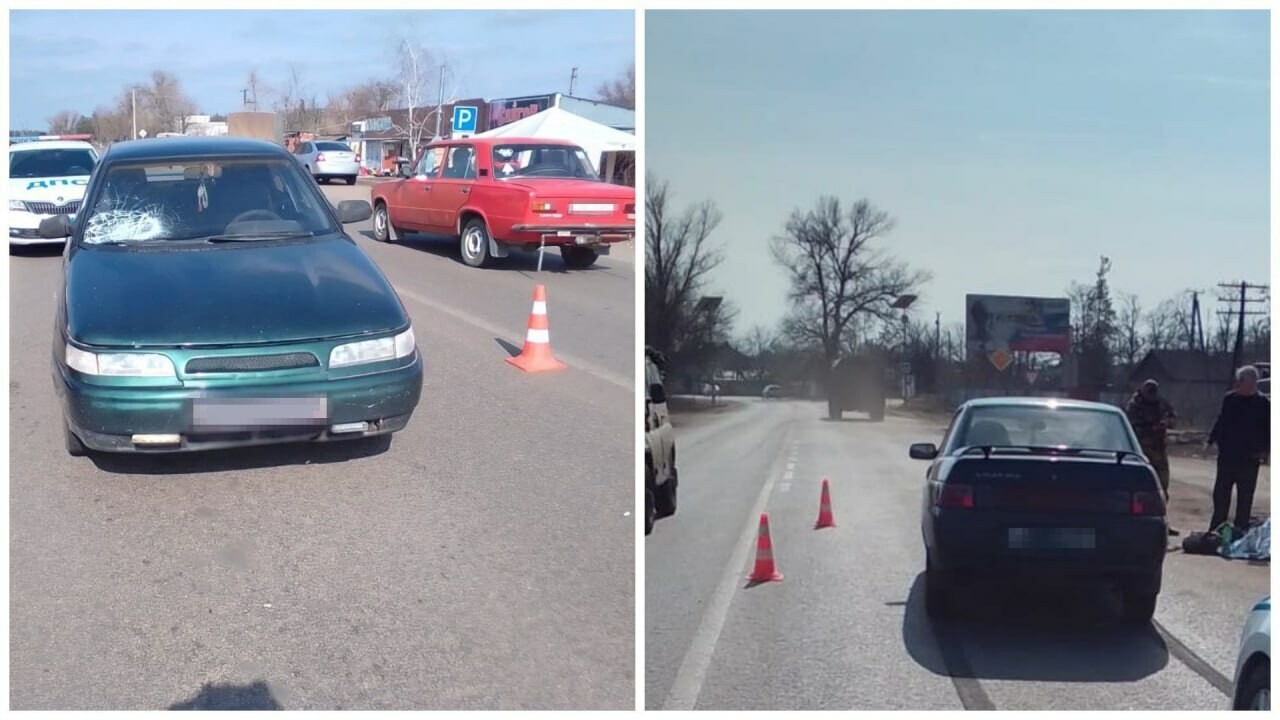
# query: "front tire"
577, 258
474, 243
383, 230
1255, 690
75, 446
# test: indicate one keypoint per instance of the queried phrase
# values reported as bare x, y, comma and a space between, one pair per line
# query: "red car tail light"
1146, 503
543, 207
955, 496
320, 157
357, 157
630, 209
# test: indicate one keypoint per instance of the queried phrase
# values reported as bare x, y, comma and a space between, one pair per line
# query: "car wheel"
474, 243
1255, 690
75, 446
650, 515
665, 496
351, 179
383, 230
938, 603
1138, 606
577, 258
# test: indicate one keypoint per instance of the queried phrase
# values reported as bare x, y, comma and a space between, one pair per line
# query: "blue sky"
1013, 148
76, 59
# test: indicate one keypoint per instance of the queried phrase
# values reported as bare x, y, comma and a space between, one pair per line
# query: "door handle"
426, 188
465, 190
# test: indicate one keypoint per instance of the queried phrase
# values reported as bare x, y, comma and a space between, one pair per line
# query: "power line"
1245, 299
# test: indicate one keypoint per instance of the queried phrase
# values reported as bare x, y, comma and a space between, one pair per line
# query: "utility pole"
133, 94
440, 102
1196, 328
244, 98
573, 77
1237, 354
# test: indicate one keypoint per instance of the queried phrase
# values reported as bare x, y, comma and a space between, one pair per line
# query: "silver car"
328, 159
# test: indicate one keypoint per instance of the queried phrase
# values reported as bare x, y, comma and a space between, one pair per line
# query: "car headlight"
18, 205
368, 351
119, 364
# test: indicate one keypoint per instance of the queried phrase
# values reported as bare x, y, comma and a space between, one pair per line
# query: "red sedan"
497, 193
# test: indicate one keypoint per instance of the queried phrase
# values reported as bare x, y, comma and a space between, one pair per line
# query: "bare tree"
169, 106
297, 103
63, 122
419, 76
1129, 325
836, 275
256, 90
679, 260
622, 90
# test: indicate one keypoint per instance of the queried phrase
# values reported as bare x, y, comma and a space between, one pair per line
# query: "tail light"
631, 209
955, 496
357, 157
320, 157
1146, 503
542, 207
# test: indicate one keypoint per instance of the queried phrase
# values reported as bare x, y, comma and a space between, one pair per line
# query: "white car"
1253, 666
46, 178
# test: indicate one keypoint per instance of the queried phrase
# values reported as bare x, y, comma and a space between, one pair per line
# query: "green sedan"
211, 299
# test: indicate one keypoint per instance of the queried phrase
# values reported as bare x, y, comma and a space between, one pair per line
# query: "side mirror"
354, 211
403, 170
923, 451
57, 227
657, 394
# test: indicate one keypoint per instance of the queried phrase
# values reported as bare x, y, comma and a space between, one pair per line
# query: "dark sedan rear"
1038, 490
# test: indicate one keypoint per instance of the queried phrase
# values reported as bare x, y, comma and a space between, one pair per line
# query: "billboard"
508, 110
1007, 324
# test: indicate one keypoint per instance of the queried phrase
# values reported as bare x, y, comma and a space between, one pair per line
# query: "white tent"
602, 143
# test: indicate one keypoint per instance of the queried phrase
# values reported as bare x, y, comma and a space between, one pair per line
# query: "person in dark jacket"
1151, 417
1243, 436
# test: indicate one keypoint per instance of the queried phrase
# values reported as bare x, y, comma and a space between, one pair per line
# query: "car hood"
227, 295
59, 190
564, 188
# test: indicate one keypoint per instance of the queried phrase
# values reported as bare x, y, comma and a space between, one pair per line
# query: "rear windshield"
187, 200
1079, 428
332, 146
65, 162
546, 161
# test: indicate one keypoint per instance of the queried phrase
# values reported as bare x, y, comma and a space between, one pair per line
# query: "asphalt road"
846, 628
485, 559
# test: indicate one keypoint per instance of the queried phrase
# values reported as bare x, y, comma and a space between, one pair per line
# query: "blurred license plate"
245, 413
1051, 539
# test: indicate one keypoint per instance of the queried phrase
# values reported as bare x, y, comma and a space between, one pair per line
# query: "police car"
1253, 665
46, 178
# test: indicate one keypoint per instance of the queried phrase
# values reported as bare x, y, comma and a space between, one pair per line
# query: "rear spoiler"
986, 451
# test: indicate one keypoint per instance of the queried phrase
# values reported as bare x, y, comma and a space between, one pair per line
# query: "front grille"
47, 208
252, 363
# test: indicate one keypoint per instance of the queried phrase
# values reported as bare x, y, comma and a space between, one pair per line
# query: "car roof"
51, 145
176, 147
1044, 402
503, 140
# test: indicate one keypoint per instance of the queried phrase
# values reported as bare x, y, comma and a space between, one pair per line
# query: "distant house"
1193, 381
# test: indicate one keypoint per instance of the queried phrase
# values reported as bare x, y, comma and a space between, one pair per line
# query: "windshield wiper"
255, 237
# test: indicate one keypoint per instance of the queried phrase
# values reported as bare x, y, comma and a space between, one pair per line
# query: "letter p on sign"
464, 119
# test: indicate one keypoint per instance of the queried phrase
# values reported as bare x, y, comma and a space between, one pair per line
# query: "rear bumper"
583, 234
1127, 549
106, 418
328, 169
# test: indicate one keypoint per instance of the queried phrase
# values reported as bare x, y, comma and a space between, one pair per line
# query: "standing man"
1151, 417
1243, 436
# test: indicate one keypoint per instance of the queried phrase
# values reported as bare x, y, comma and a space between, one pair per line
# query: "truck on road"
857, 383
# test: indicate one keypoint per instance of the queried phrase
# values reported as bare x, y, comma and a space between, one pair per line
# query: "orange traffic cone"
764, 570
825, 518
536, 355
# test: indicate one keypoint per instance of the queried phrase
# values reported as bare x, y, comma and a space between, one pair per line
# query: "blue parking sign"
464, 118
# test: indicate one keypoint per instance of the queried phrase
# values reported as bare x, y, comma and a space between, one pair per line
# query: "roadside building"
382, 139
505, 111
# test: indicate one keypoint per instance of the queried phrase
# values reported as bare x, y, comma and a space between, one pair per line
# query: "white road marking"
788, 475
697, 659
784, 487
791, 465
612, 378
